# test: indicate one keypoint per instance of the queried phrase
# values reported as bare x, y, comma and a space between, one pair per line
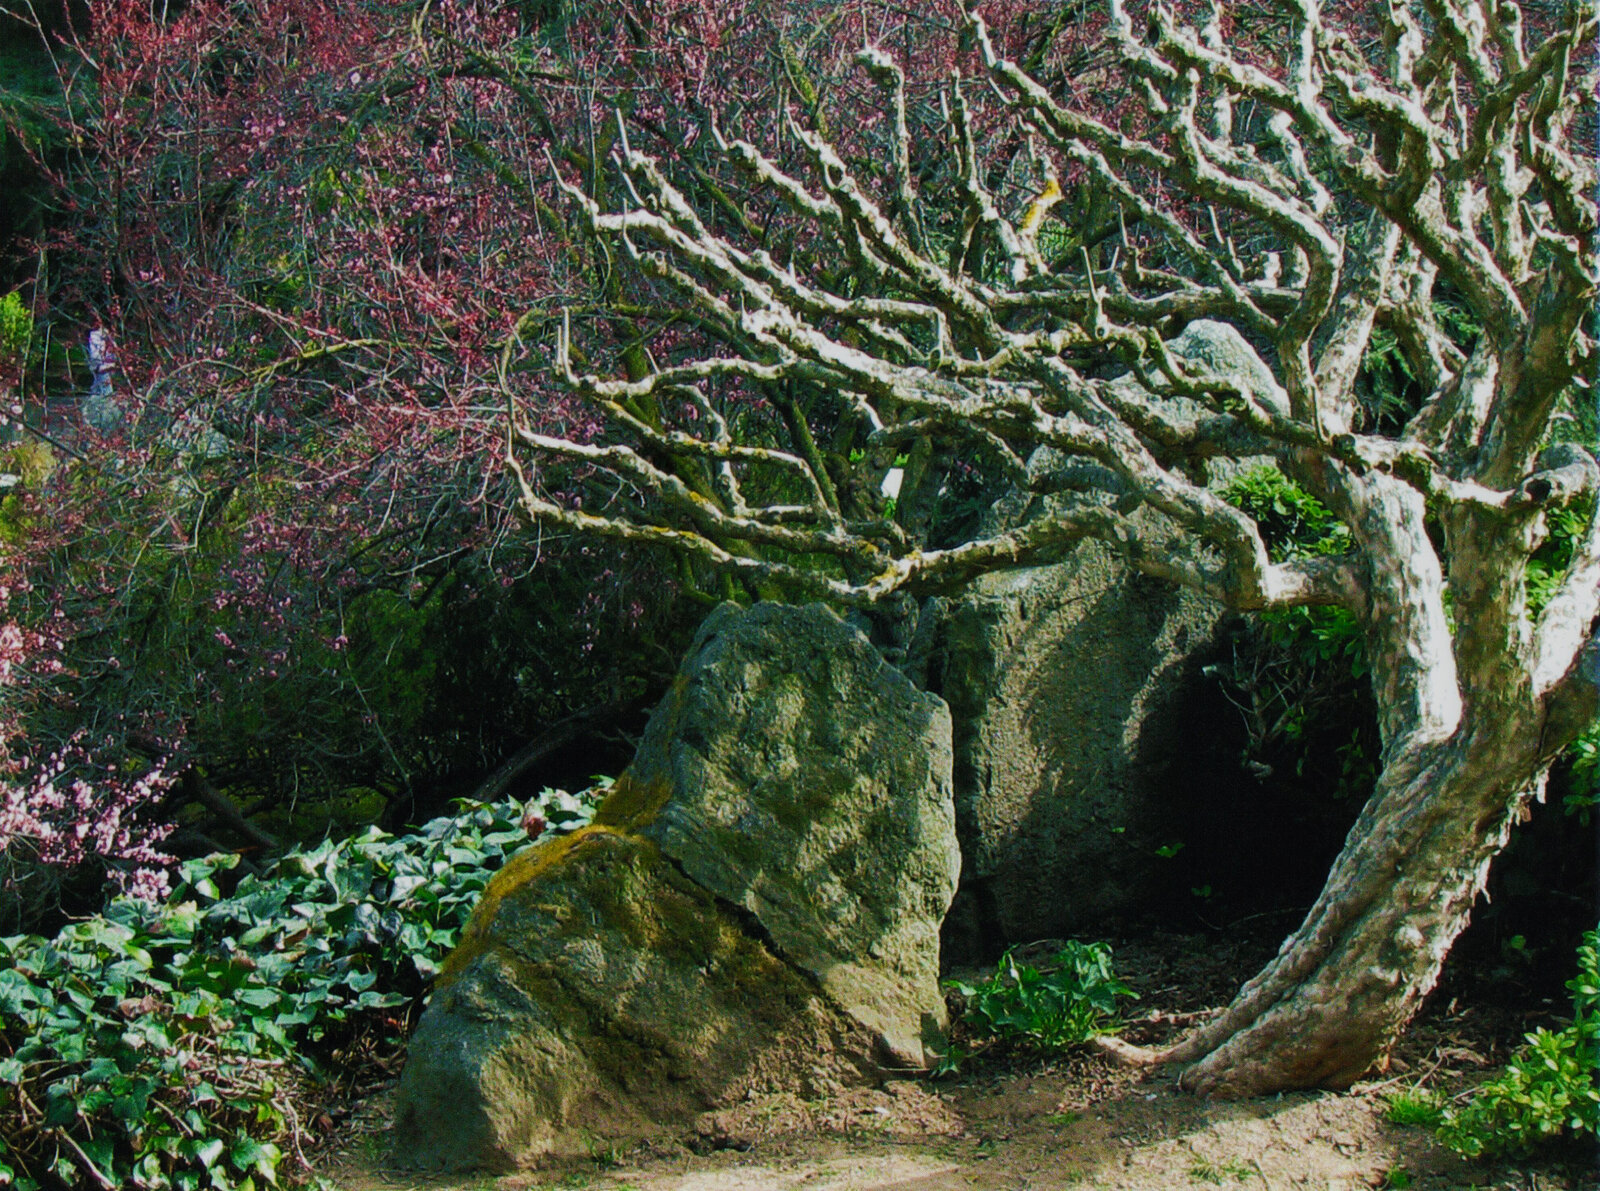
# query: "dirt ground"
1012, 1121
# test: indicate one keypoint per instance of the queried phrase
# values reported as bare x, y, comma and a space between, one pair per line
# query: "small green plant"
1297, 662
1546, 570
16, 327
1072, 1002
1418, 1108
949, 1063
1585, 756
1396, 1178
1293, 522
1565, 529
1207, 1171
1550, 1088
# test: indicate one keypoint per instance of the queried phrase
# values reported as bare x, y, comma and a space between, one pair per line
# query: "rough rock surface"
755, 908
598, 994
802, 778
1085, 729
1220, 349
1080, 715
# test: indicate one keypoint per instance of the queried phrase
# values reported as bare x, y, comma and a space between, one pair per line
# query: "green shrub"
1299, 677
1546, 569
1070, 1003
130, 1059
1413, 1108
1584, 794
1550, 1088
180, 1045
1293, 523
1303, 663
16, 327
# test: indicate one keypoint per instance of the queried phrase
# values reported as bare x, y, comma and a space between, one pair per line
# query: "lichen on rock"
604, 997
755, 908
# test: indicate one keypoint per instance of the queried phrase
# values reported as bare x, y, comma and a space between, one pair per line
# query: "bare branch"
1272, 218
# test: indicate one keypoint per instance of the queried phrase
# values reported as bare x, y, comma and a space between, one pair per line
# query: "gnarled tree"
1245, 224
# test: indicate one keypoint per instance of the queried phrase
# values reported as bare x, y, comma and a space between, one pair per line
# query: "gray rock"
1080, 714
808, 782
756, 907
102, 413
1219, 349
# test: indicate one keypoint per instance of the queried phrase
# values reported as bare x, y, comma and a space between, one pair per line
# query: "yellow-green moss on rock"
526, 866
601, 994
755, 908
633, 802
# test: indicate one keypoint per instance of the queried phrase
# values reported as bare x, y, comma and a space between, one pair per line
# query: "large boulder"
756, 907
1085, 727
794, 773
1082, 717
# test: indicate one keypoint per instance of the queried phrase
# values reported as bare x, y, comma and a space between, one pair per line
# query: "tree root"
1127, 1054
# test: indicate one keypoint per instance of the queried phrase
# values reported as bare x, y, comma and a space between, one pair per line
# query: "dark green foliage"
31, 100
33, 112
324, 704
1584, 794
1547, 567
1071, 1002
1549, 563
180, 1045
1550, 1088
1388, 388
1299, 675
1293, 523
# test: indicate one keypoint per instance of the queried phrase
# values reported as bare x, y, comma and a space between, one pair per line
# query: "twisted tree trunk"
1345, 984
1468, 740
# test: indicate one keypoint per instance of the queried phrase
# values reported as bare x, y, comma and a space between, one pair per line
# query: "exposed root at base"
1129, 1055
